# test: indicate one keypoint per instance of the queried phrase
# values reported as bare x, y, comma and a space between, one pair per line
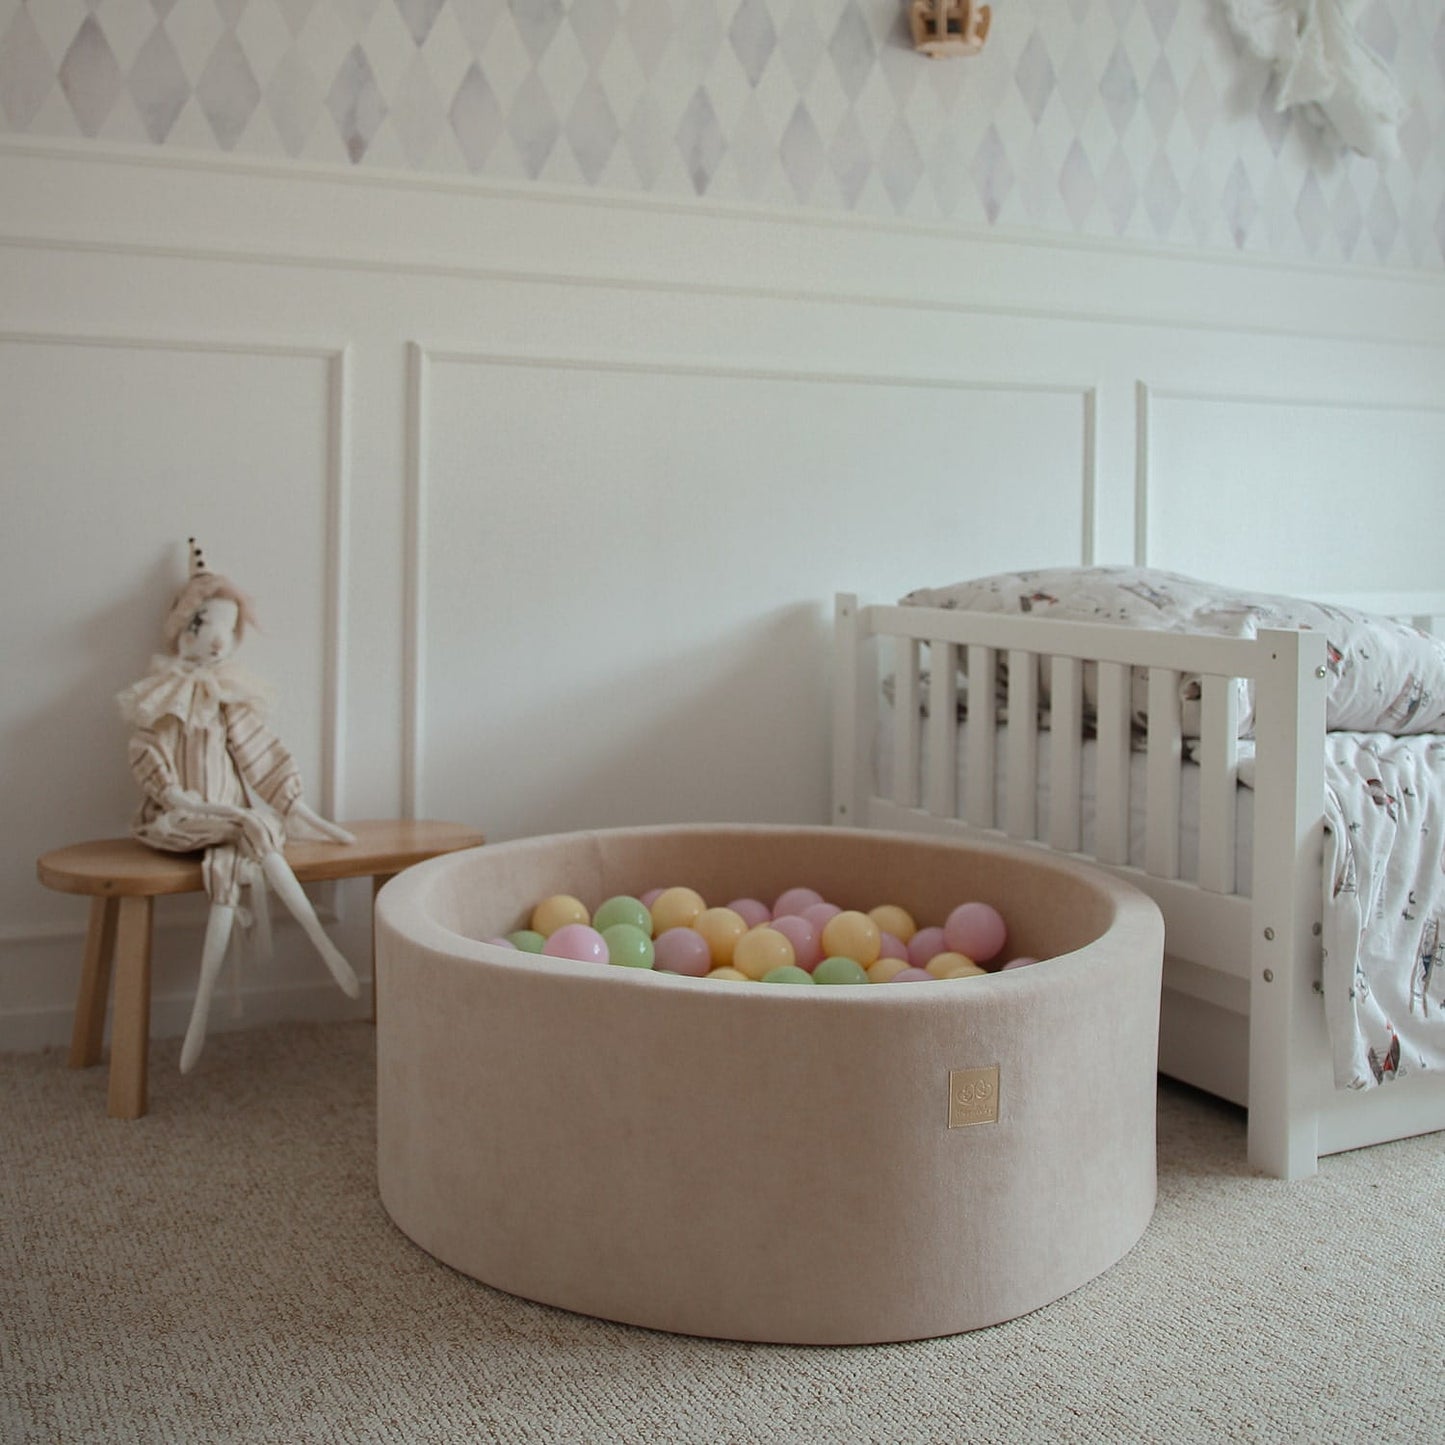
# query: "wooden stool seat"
122, 876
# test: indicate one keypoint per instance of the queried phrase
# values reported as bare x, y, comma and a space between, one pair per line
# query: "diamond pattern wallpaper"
1141, 119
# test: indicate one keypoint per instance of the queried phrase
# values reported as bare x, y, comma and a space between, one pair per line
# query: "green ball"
526, 940
628, 945
622, 909
789, 973
840, 970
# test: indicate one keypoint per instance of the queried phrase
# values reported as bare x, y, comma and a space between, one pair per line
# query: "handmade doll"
216, 778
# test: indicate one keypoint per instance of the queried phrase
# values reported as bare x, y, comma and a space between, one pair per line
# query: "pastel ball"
854, 935
676, 908
527, 940
818, 914
886, 970
628, 945
965, 970
623, 909
729, 975
558, 911
578, 941
976, 929
722, 928
891, 946
890, 918
789, 973
682, 950
499, 942
762, 950
795, 900
650, 897
941, 963
912, 975
840, 970
802, 935
752, 911
1023, 961
923, 945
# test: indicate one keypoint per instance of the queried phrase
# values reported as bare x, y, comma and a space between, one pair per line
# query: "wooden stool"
122, 877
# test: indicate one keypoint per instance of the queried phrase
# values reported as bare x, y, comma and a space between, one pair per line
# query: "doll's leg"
289, 891
213, 953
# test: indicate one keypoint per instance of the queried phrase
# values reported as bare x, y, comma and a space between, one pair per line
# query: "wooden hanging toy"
949, 27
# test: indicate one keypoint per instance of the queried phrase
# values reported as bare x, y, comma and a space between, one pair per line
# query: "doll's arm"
313, 823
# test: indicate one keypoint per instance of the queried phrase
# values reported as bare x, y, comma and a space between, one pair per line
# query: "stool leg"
88, 1030
378, 882
130, 1033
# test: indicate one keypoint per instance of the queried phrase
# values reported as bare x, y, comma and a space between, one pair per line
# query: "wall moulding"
65, 195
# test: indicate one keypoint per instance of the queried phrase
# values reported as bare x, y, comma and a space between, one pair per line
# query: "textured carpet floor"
222, 1270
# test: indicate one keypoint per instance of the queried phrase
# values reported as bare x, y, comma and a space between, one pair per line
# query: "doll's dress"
201, 728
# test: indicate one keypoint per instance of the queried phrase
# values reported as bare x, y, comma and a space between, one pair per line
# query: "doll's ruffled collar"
191, 692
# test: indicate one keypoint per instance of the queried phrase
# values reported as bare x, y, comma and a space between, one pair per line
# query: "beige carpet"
222, 1270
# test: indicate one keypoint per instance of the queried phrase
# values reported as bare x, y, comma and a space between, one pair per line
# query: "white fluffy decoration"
1324, 67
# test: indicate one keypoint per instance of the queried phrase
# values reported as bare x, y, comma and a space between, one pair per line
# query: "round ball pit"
757, 1161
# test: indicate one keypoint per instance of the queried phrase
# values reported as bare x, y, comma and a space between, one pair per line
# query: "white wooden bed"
1243, 1016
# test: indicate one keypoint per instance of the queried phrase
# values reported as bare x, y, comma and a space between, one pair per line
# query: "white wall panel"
626, 570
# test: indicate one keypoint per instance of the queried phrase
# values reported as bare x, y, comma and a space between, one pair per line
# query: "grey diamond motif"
1077, 185
753, 38
294, 12
1162, 195
355, 102
1239, 204
1161, 97
850, 159
900, 165
1349, 218
1162, 15
90, 77
158, 84
851, 49
1119, 89
592, 130
1312, 213
801, 152
537, 21
699, 140
419, 16
992, 173
227, 91
649, 26
1034, 76
594, 23
294, 100
1118, 190
533, 127
476, 117
801, 45
25, 71
1384, 220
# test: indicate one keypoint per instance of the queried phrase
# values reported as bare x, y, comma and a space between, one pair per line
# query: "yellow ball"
952, 965
722, 928
729, 975
885, 968
676, 908
558, 910
760, 951
853, 935
892, 919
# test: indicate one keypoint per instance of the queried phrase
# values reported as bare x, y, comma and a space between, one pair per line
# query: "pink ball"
807, 950
577, 941
891, 946
500, 942
818, 914
925, 944
651, 897
795, 900
975, 930
682, 950
912, 975
1022, 961
751, 911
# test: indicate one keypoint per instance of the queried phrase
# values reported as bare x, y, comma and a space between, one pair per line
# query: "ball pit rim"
402, 906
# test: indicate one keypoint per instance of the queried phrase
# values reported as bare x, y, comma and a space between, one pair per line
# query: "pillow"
1384, 675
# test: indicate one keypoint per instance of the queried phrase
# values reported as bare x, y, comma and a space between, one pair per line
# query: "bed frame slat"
1218, 783
942, 800
1066, 726
1161, 776
907, 729
1111, 825
1021, 746
979, 748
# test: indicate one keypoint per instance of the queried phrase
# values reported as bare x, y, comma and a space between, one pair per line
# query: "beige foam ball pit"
758, 1161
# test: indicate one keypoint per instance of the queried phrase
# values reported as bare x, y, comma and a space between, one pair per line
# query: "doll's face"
210, 634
